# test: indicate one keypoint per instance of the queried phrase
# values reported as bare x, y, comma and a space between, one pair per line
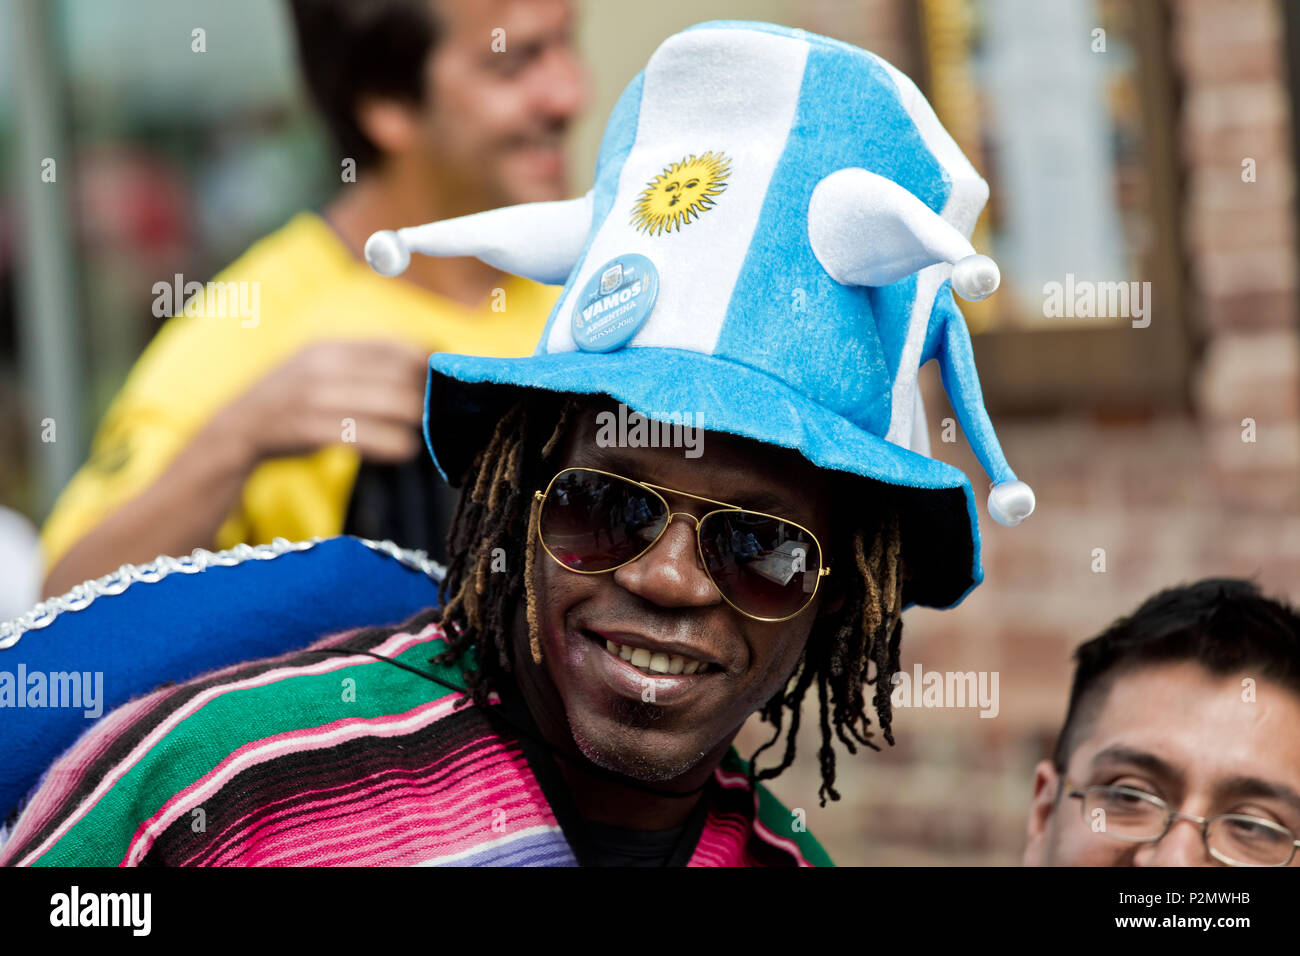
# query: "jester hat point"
772, 242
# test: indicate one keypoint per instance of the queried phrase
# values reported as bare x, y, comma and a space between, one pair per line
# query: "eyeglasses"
766, 567
1237, 839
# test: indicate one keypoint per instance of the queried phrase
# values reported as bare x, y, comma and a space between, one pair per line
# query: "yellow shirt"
310, 288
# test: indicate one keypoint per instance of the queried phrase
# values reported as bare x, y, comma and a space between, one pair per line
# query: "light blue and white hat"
776, 228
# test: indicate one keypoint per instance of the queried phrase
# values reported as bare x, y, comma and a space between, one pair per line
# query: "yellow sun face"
680, 193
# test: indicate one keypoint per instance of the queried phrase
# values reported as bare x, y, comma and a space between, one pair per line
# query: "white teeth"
657, 662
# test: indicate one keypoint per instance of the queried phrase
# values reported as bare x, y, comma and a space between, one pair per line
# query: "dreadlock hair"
846, 652
856, 648
486, 574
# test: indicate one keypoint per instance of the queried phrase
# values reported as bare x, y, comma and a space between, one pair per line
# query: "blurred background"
1148, 142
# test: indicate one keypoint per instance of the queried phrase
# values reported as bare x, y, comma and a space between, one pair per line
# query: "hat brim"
940, 532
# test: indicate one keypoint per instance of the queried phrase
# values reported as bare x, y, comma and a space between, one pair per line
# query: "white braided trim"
115, 582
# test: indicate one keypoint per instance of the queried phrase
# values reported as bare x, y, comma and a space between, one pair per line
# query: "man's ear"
1046, 784
388, 123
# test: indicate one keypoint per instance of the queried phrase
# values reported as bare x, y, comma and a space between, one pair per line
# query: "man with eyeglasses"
1181, 746
614, 612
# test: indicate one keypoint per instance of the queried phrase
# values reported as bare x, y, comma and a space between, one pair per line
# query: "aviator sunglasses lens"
593, 522
764, 566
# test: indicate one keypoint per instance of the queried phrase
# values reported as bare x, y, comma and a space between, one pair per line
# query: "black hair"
496, 518
1224, 624
351, 49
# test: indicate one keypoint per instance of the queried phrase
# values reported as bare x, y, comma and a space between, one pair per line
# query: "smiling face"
665, 603
503, 88
1188, 736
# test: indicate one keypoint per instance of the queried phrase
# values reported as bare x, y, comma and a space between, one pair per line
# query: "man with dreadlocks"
768, 255
666, 601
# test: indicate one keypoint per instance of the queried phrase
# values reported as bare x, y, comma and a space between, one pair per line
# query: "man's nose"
563, 91
1181, 846
670, 573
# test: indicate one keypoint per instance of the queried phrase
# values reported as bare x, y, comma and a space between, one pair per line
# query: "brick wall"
1170, 499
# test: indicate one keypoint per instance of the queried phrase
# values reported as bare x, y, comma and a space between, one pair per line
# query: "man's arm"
297, 408
180, 511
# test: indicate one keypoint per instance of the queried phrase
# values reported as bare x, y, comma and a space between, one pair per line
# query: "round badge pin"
614, 303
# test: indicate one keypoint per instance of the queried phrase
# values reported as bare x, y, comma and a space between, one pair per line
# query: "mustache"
685, 625
551, 135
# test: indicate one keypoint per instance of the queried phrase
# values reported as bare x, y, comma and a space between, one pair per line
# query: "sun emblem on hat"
680, 193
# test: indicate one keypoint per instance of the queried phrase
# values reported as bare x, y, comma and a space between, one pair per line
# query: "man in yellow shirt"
300, 415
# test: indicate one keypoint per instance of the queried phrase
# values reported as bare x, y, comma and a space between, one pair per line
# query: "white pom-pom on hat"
387, 253
1011, 502
975, 278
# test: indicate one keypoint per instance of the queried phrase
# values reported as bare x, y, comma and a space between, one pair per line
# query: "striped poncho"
330, 756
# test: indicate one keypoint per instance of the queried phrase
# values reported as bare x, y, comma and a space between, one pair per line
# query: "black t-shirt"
620, 846
407, 503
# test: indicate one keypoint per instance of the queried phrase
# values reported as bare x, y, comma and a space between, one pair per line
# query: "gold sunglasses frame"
539, 498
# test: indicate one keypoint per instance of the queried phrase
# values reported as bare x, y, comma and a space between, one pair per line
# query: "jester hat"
777, 226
